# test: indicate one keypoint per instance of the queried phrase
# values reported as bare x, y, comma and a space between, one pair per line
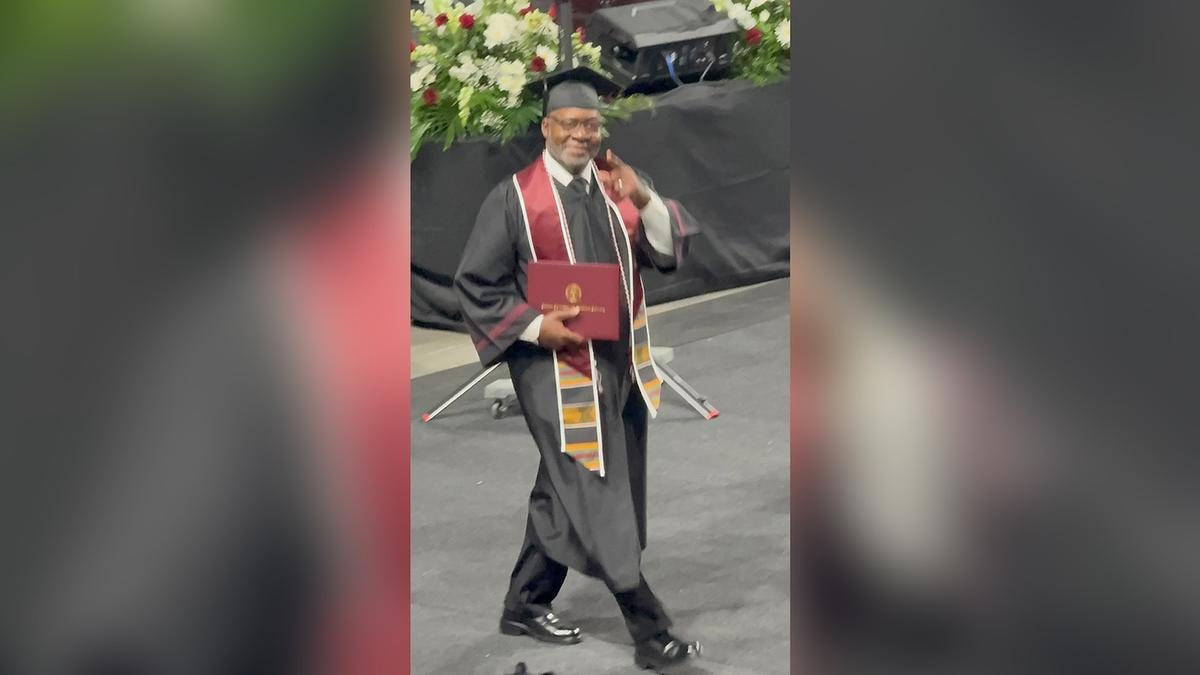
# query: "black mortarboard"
578, 87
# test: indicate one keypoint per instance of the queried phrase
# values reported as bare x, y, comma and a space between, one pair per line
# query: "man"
585, 402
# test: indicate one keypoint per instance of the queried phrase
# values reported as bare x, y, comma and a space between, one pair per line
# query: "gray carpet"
718, 523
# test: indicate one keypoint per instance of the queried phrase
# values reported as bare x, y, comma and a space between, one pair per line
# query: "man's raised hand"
625, 180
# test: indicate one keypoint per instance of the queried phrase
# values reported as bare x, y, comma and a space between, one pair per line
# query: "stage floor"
718, 554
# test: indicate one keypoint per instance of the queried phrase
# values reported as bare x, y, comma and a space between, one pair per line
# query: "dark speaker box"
637, 41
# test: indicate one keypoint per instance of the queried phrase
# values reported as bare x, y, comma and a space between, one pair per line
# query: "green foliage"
623, 108
763, 52
470, 82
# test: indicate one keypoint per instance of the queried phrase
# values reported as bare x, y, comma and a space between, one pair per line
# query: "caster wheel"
498, 409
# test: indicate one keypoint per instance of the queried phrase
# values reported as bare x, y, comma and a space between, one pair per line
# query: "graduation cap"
578, 87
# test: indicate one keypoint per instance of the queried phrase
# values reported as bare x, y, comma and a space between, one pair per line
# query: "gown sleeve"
493, 304
683, 226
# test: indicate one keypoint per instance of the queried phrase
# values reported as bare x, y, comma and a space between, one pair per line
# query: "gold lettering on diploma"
574, 294
593, 309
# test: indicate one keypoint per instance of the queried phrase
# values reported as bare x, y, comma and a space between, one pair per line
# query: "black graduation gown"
593, 524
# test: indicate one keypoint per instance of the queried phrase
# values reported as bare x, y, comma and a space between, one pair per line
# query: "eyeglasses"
570, 125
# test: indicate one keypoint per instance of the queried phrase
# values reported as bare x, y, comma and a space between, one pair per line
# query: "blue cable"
670, 59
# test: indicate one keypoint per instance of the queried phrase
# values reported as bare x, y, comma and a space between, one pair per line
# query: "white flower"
741, 15
474, 8
467, 70
753, 4
420, 19
511, 77
421, 77
764, 16
547, 27
783, 33
424, 53
550, 56
501, 29
491, 68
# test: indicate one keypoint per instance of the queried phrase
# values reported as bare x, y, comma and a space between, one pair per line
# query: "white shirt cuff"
531, 332
657, 224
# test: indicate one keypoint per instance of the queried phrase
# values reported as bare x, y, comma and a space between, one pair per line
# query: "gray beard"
575, 171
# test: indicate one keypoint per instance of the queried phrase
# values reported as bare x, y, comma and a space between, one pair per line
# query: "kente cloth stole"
550, 239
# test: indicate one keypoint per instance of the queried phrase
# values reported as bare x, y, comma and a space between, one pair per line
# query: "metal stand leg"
694, 398
436, 410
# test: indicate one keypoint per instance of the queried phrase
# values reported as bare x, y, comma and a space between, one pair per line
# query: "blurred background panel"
1010, 188
147, 147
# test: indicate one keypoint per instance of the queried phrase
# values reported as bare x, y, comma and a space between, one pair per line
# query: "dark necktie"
580, 186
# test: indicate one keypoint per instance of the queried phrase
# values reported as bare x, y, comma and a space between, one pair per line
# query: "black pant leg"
644, 614
536, 578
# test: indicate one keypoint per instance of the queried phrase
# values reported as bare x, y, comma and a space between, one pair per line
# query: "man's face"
572, 136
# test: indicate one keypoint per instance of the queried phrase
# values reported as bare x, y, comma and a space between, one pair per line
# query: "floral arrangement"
765, 50
470, 65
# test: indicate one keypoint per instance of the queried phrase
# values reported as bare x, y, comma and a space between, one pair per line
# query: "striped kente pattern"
581, 429
643, 364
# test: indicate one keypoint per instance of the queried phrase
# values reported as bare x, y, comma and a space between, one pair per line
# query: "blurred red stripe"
354, 287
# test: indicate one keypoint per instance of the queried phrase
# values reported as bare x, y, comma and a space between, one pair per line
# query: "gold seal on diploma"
574, 293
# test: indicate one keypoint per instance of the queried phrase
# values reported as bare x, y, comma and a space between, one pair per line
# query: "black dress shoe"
545, 627
664, 651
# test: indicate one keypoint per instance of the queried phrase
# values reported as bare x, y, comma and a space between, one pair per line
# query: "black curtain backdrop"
720, 149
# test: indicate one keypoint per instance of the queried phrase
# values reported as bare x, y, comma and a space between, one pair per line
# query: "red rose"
527, 9
441, 19
466, 21
580, 31
430, 96
538, 64
554, 11
412, 46
754, 36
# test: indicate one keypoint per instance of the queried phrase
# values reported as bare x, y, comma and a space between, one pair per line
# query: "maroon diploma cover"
593, 287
